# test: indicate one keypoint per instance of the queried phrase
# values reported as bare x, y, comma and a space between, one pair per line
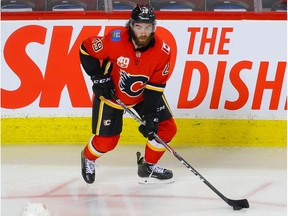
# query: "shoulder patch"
116, 35
166, 48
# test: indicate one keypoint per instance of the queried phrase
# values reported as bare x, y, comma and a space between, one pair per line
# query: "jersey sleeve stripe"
83, 51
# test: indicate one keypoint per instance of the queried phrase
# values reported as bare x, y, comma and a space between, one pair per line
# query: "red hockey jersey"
133, 70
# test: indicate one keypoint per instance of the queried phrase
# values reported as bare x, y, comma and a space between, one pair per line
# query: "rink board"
191, 132
229, 91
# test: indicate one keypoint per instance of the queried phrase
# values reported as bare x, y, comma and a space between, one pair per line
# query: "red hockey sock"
98, 145
153, 154
89, 155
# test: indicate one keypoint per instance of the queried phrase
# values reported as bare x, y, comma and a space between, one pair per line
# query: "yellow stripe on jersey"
83, 51
107, 68
155, 88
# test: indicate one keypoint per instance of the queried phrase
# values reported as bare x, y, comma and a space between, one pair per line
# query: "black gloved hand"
151, 125
102, 85
102, 82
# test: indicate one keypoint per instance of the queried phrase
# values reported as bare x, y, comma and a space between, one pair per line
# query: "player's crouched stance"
135, 67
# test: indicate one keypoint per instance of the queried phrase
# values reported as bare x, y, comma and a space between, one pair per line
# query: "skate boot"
88, 169
151, 173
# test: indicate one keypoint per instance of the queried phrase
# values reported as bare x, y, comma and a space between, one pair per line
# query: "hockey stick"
236, 204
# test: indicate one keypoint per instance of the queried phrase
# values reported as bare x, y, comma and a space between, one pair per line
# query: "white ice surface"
50, 174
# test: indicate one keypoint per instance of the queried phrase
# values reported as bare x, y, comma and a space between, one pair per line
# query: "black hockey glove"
102, 82
151, 125
102, 85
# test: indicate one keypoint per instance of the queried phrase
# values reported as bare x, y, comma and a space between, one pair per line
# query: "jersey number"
97, 44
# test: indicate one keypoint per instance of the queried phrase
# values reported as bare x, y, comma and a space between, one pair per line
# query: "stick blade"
239, 204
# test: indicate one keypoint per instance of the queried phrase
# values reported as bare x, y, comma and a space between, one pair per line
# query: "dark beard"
142, 43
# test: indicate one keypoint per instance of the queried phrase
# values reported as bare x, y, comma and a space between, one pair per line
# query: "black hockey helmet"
143, 14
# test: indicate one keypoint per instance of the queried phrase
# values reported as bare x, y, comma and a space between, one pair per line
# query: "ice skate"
151, 173
88, 169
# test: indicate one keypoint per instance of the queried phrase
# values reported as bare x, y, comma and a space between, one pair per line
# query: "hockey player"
135, 66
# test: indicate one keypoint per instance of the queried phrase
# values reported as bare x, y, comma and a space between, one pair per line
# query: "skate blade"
148, 181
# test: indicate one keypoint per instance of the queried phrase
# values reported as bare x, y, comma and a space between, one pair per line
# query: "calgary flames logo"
132, 85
